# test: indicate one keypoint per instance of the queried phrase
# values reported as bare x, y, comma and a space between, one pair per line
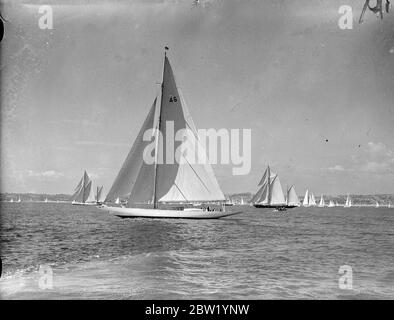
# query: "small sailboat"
117, 201
322, 202
377, 204
12, 200
19, 200
99, 195
305, 203
170, 179
83, 192
46, 200
292, 200
312, 200
348, 202
270, 194
331, 204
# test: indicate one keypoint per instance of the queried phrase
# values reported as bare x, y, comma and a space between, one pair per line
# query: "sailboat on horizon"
309, 199
348, 202
292, 199
161, 183
270, 194
322, 203
83, 192
99, 195
331, 204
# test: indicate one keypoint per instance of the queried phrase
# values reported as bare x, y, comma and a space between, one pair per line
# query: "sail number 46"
173, 99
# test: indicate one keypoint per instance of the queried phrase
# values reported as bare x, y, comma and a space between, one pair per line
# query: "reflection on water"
258, 254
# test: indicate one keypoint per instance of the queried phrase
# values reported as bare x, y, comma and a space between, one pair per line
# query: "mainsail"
83, 189
176, 174
276, 193
292, 198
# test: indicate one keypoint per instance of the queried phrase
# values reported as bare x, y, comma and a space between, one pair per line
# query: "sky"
318, 99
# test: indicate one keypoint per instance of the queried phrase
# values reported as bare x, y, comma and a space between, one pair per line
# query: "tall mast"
155, 204
269, 184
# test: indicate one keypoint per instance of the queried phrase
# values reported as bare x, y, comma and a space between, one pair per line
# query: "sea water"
60, 251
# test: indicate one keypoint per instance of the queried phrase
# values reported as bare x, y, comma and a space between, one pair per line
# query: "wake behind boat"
184, 180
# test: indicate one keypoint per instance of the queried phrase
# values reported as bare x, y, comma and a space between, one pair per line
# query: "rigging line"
181, 192
197, 175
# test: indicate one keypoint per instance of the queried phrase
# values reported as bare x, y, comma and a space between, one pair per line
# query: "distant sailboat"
19, 199
331, 204
312, 200
117, 201
181, 180
83, 193
377, 204
46, 200
322, 202
389, 205
305, 203
292, 200
99, 195
12, 200
270, 194
348, 202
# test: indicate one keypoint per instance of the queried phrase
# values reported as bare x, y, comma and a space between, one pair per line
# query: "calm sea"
260, 254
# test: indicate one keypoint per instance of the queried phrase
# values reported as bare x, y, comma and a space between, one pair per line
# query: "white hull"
189, 213
84, 203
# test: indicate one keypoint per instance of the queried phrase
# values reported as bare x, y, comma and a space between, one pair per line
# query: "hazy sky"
74, 98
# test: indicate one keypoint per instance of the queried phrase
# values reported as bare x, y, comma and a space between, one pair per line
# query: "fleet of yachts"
183, 189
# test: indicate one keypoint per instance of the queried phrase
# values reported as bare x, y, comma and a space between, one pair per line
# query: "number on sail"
173, 99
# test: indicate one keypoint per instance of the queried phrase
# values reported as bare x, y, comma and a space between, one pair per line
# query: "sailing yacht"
292, 200
46, 200
322, 202
305, 203
377, 204
171, 178
270, 194
312, 200
19, 200
331, 204
83, 192
348, 202
99, 195
12, 200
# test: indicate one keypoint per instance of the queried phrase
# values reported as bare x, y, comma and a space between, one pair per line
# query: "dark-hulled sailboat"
270, 194
149, 188
83, 192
